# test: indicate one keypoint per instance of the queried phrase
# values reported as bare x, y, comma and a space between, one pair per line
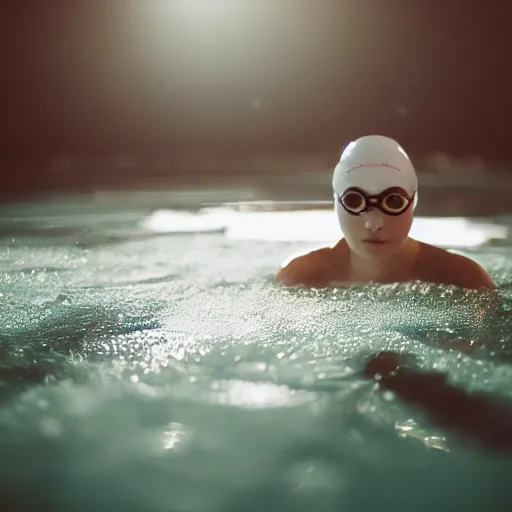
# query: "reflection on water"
239, 393
176, 436
410, 428
144, 372
313, 226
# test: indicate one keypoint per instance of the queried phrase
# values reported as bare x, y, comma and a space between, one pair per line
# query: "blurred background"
255, 97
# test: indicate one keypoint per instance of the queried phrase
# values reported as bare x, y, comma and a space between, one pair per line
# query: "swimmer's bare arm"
305, 270
465, 273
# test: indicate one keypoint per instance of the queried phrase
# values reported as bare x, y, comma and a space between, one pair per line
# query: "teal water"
148, 362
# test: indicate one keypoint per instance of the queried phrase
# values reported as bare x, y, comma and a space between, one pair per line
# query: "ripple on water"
166, 372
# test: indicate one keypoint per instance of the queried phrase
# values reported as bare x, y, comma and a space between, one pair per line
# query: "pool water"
149, 362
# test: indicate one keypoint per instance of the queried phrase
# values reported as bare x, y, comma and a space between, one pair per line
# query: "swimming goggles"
392, 201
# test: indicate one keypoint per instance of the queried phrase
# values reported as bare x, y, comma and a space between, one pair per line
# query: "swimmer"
375, 193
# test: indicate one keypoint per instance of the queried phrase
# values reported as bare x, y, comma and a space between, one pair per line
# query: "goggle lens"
395, 203
354, 201
392, 202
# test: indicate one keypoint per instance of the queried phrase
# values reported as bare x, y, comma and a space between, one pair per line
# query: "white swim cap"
374, 163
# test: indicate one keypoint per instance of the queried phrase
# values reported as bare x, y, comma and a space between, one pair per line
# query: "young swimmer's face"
375, 234
376, 182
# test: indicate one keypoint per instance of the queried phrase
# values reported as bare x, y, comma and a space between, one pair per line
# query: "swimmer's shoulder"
450, 268
312, 268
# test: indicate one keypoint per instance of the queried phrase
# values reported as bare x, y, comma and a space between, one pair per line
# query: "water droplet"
63, 299
388, 396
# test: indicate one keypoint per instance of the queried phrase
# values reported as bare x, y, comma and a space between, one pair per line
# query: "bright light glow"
169, 221
202, 10
257, 395
313, 226
455, 232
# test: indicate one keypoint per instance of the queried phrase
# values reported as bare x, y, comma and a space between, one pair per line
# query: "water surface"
149, 362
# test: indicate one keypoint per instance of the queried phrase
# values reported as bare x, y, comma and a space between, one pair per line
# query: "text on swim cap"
373, 164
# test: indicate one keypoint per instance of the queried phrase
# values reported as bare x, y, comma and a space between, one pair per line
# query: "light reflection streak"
411, 429
246, 394
313, 226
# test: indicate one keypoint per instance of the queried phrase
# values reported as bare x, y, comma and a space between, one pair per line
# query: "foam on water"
143, 372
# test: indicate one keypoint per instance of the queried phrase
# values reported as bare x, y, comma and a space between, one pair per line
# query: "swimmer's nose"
374, 220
